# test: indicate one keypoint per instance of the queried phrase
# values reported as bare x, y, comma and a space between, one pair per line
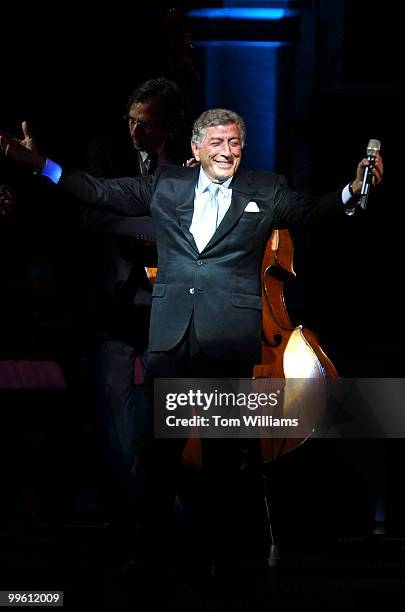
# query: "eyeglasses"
145, 125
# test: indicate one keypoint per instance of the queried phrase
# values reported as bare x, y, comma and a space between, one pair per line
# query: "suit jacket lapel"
242, 192
184, 209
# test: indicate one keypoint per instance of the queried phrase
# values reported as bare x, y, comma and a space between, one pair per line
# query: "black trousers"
219, 515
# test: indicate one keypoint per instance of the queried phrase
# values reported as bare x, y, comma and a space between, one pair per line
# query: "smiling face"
220, 151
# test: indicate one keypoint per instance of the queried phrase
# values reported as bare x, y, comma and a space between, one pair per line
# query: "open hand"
22, 151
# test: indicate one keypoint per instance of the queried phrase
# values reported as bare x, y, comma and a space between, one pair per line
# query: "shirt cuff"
349, 202
52, 170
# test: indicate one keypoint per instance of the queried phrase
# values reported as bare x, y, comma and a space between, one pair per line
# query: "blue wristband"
52, 170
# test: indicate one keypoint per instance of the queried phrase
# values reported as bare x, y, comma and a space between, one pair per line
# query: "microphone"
373, 148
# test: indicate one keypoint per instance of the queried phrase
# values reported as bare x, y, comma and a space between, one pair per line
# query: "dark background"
70, 75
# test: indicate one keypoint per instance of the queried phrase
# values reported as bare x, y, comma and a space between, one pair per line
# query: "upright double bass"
288, 352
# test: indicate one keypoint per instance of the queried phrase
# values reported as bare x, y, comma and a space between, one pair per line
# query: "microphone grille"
373, 147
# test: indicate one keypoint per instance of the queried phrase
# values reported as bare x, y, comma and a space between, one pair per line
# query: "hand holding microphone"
369, 172
373, 149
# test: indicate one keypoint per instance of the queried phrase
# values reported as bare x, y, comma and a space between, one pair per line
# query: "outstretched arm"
126, 196
308, 209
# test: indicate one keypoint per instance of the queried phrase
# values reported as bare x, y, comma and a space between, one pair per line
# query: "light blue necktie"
208, 221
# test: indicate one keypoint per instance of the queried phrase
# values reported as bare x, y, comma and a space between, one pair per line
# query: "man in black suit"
213, 281
212, 224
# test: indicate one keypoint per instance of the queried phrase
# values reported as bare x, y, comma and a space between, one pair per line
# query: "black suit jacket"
221, 285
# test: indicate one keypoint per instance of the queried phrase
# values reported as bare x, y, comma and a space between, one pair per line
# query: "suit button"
192, 290
199, 262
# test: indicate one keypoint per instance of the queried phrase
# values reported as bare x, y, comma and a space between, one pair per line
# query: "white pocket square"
252, 207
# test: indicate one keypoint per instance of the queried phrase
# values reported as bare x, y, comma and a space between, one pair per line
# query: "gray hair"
213, 117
